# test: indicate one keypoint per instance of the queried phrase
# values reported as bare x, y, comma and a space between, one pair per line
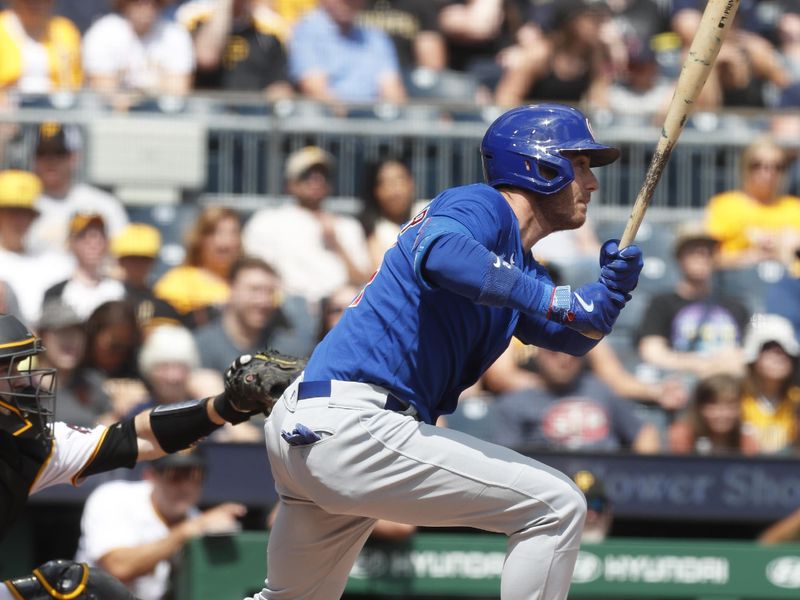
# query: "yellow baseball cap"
81, 221
19, 189
137, 239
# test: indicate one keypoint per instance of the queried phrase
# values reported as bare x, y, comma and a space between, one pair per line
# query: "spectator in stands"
746, 63
414, 29
783, 296
167, 359
641, 93
252, 319
480, 38
332, 308
133, 529
758, 221
56, 163
41, 52
389, 195
89, 286
516, 370
113, 339
787, 34
136, 248
332, 59
690, 329
571, 410
713, 422
570, 63
314, 250
771, 395
239, 45
136, 51
27, 272
638, 23
64, 340
85, 12
599, 512
199, 287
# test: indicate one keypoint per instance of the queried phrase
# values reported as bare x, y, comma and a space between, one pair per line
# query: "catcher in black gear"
36, 451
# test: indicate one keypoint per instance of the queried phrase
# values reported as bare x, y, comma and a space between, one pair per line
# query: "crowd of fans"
611, 54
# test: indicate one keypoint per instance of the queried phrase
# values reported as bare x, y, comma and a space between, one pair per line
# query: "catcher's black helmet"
27, 393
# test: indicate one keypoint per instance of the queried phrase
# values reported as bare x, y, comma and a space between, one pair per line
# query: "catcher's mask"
27, 393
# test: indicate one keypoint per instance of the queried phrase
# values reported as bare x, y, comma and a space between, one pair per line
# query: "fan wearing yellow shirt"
41, 53
771, 398
759, 221
199, 286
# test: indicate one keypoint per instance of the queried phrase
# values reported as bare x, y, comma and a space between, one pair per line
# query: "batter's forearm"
464, 266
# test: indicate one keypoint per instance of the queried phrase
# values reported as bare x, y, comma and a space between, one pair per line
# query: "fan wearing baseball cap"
136, 249
315, 251
771, 397
20, 192
56, 160
89, 286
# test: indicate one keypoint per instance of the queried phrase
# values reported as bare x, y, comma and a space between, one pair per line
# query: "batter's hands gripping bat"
714, 25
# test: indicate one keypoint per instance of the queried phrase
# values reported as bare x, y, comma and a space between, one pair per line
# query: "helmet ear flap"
554, 172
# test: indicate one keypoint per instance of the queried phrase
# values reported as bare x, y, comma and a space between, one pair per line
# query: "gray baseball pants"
373, 463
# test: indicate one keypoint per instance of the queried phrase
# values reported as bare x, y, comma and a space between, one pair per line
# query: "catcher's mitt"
254, 382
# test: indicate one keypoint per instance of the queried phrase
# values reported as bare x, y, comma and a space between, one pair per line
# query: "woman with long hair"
200, 285
771, 394
713, 422
389, 194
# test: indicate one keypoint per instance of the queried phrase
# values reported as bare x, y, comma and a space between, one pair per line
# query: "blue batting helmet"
524, 139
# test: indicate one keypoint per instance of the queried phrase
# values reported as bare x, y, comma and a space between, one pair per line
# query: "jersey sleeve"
72, 450
485, 216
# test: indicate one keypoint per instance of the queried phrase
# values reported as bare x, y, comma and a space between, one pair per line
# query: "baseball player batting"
353, 439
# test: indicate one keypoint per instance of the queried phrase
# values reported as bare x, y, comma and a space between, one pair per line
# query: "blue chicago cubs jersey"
426, 344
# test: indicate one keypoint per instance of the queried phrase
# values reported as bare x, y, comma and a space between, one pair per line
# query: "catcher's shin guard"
68, 579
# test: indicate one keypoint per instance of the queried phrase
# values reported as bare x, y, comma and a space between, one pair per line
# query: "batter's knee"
574, 506
564, 507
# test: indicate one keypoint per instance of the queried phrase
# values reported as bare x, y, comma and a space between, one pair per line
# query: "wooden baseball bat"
714, 25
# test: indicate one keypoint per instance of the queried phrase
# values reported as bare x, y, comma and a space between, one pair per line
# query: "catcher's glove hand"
254, 382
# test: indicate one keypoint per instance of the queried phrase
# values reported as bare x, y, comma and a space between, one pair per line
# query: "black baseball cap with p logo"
54, 138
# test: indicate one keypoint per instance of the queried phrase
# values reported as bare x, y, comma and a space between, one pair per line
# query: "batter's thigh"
380, 464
